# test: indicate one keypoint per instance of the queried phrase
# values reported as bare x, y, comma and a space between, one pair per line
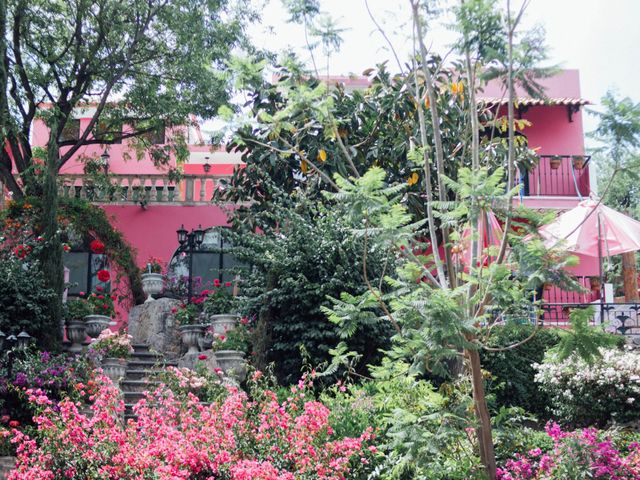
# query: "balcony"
558, 176
142, 189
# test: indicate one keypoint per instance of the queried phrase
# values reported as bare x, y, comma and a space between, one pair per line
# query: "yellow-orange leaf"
304, 166
322, 155
413, 178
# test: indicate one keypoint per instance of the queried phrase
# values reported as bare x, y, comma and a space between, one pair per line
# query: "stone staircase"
141, 368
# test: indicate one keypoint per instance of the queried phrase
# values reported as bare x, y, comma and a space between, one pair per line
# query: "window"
212, 260
109, 130
71, 130
155, 136
83, 268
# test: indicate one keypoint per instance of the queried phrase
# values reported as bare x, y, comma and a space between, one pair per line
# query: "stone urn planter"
191, 336
6, 465
232, 363
152, 284
224, 322
114, 368
94, 324
76, 334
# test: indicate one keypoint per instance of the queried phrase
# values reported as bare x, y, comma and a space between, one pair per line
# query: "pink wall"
152, 231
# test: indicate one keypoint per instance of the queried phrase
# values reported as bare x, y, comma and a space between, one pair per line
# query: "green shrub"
512, 372
25, 300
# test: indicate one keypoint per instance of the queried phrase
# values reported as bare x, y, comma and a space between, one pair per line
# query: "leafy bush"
581, 393
512, 372
582, 454
26, 300
293, 270
242, 437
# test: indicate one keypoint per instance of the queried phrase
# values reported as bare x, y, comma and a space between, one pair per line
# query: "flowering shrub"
101, 303
112, 344
187, 313
203, 383
57, 375
154, 265
586, 394
581, 454
219, 299
237, 338
241, 437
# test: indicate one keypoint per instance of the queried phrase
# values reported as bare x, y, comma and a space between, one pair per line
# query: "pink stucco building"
150, 208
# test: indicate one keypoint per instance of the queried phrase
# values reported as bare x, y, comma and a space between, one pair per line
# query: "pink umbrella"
594, 230
489, 234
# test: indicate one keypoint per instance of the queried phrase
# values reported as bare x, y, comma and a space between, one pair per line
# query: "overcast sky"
601, 38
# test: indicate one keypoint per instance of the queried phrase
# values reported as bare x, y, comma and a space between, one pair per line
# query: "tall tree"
149, 64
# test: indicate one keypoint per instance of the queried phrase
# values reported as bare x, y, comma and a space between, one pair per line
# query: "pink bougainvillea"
580, 454
239, 438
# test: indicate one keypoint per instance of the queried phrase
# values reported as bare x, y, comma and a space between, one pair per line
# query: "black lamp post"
105, 161
189, 243
7, 344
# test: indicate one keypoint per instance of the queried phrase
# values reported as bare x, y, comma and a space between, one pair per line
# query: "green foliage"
292, 271
618, 154
512, 371
25, 300
584, 339
76, 309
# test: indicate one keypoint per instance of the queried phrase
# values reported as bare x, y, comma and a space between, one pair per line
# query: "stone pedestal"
190, 360
153, 324
6, 465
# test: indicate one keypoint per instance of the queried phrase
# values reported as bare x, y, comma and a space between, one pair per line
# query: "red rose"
227, 284
204, 293
99, 288
66, 248
20, 251
216, 283
105, 306
101, 297
174, 310
96, 246
104, 275
202, 357
14, 423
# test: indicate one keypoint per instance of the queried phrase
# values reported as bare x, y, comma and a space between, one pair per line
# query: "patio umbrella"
489, 235
593, 229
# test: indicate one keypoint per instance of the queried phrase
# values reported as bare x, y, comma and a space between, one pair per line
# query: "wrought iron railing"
558, 176
141, 189
622, 318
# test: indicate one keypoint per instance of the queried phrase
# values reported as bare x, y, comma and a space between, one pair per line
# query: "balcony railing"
558, 176
142, 189
622, 318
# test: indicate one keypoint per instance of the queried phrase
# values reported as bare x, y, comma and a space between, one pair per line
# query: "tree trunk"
483, 430
51, 257
630, 277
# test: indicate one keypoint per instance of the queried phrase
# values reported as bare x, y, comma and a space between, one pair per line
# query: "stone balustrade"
141, 189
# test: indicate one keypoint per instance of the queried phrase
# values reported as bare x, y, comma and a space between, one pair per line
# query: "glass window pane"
77, 263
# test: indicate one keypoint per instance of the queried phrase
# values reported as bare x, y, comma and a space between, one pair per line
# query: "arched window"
212, 260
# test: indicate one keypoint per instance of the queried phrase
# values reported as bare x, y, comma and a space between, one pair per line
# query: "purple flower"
21, 380
45, 357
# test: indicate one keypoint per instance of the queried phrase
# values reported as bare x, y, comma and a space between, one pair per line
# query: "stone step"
138, 385
147, 356
147, 364
140, 347
139, 373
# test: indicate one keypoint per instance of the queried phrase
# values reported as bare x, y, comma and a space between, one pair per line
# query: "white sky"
601, 38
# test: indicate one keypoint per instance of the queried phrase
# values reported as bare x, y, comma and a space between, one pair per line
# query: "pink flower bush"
579, 454
239, 438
